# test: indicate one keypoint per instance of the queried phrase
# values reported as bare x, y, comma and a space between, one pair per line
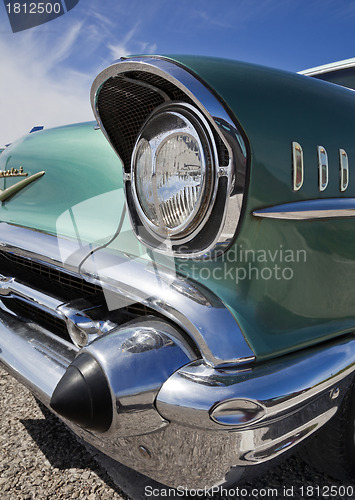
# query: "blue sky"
47, 71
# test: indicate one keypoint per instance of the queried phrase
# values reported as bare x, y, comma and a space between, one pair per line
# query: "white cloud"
36, 87
148, 48
122, 48
102, 19
47, 72
65, 48
129, 44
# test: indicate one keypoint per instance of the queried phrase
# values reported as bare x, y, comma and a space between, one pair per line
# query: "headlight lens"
172, 172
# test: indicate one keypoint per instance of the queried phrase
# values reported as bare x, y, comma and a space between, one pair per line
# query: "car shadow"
65, 451
60, 446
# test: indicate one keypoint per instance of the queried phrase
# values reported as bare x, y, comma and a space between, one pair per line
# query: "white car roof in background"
326, 68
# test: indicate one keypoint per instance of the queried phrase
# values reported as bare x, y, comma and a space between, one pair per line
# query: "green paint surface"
80, 195
273, 109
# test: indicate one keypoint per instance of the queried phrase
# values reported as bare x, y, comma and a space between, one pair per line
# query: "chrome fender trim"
192, 395
323, 208
191, 306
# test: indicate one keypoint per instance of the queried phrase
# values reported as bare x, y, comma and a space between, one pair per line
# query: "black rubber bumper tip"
83, 395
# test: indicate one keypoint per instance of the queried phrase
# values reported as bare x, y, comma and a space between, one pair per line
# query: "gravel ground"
41, 459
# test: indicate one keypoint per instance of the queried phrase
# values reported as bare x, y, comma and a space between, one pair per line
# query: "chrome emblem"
10, 191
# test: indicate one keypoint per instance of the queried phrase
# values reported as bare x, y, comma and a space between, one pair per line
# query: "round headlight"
172, 171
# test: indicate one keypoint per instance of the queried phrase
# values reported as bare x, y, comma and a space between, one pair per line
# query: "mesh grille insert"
173, 92
124, 105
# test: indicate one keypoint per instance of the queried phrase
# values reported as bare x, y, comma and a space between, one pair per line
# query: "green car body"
230, 334
273, 108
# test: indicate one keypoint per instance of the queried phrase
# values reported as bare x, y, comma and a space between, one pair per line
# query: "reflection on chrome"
322, 168
298, 166
206, 405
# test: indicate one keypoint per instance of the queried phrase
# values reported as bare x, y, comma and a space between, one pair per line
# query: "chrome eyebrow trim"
310, 209
326, 68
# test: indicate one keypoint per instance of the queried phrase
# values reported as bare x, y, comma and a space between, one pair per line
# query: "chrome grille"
25, 285
35, 315
74, 284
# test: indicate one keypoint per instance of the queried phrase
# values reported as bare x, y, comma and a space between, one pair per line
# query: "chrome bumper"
181, 419
201, 424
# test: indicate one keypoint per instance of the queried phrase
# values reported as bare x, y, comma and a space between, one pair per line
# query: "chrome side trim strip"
322, 168
298, 166
326, 208
344, 170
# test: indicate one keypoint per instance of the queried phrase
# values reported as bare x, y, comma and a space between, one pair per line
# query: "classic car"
177, 278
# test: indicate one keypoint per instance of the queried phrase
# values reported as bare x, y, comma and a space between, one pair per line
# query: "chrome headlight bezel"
124, 96
157, 131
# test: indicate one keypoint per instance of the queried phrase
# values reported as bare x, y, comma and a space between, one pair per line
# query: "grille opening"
27, 312
35, 274
223, 155
123, 107
66, 287
174, 93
